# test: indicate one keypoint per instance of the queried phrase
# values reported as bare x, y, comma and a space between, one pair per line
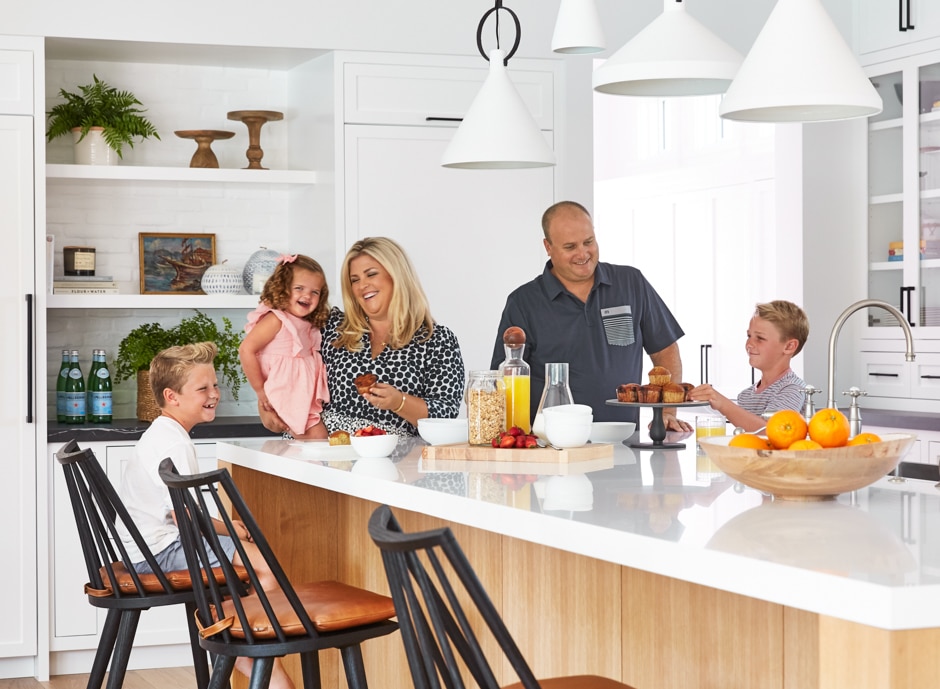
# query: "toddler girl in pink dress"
281, 350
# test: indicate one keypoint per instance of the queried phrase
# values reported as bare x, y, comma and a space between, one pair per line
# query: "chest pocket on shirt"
618, 325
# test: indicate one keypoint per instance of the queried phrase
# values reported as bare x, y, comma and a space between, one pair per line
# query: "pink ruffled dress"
294, 374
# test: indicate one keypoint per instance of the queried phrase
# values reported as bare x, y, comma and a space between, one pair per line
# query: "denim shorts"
172, 557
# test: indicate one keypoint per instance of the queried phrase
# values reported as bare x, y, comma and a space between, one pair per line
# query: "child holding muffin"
776, 333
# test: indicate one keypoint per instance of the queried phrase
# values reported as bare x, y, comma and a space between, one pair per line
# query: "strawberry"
508, 441
516, 431
495, 442
520, 441
530, 442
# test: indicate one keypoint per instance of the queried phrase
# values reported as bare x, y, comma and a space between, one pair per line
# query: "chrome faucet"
837, 326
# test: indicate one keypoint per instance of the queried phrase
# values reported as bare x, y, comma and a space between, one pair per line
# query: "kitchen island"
648, 567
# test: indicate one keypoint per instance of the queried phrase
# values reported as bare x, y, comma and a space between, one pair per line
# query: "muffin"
364, 382
339, 438
673, 393
659, 375
650, 394
687, 387
628, 392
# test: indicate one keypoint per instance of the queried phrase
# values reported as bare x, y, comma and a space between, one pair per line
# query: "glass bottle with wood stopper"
60, 405
486, 406
99, 389
74, 391
516, 380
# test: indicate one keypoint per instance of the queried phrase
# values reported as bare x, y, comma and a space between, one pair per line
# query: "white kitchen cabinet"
473, 235
478, 237
903, 248
894, 24
18, 420
76, 625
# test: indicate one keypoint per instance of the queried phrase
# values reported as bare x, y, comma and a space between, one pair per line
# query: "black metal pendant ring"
515, 19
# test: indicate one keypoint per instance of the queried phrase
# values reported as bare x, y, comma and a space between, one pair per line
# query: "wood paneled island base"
573, 614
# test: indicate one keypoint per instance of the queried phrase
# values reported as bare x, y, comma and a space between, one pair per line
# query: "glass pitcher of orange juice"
516, 376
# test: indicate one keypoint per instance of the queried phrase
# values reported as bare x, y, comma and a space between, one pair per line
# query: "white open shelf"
152, 301
179, 174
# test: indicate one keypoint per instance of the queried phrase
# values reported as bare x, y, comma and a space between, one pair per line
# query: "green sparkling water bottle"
99, 389
74, 391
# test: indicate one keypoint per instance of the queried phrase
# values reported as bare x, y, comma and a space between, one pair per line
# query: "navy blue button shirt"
602, 340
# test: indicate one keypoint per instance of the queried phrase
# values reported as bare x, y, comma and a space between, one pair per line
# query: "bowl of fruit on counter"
796, 460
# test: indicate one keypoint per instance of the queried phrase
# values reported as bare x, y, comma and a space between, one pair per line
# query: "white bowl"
374, 445
567, 435
443, 431
611, 431
578, 409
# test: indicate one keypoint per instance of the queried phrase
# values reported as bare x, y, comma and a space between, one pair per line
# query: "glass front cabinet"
903, 265
904, 197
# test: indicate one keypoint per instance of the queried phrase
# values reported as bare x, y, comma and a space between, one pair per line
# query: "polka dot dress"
432, 370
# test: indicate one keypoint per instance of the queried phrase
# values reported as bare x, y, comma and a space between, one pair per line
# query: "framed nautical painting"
174, 263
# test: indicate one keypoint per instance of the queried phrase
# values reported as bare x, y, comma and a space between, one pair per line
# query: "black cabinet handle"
443, 119
883, 375
930, 377
905, 304
703, 362
29, 358
904, 17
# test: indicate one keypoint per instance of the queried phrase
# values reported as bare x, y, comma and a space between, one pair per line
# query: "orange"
785, 427
755, 442
805, 444
864, 439
829, 428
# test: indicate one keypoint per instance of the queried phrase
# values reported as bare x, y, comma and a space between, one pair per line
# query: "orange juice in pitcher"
517, 401
516, 380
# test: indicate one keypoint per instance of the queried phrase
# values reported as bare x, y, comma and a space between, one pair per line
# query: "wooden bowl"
808, 474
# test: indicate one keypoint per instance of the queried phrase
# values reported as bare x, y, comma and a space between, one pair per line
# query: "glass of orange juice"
710, 425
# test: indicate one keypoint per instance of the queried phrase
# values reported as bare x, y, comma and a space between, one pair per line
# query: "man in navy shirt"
597, 317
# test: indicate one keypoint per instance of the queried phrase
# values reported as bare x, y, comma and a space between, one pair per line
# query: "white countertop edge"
884, 607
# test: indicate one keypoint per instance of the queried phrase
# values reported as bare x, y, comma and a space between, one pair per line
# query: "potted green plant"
100, 110
141, 344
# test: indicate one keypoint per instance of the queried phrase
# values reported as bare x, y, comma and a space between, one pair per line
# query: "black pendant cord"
515, 46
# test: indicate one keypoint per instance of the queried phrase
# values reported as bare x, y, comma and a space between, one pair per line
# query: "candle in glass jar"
79, 260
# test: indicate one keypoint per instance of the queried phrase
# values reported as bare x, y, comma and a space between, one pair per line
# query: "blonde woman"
386, 329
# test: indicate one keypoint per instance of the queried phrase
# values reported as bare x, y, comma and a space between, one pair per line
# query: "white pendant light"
675, 55
578, 28
800, 70
498, 131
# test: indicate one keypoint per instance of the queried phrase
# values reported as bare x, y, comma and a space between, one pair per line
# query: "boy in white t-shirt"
186, 388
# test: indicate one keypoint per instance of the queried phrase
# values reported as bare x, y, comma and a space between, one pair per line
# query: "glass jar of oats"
486, 406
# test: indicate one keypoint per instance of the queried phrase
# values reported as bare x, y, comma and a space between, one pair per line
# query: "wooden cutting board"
534, 454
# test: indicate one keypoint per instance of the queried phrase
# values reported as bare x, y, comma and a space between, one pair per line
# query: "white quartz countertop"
871, 556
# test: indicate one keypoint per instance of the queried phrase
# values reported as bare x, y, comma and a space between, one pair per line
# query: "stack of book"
84, 284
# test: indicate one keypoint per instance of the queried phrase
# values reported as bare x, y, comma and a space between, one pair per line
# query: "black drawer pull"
443, 119
883, 375
930, 377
